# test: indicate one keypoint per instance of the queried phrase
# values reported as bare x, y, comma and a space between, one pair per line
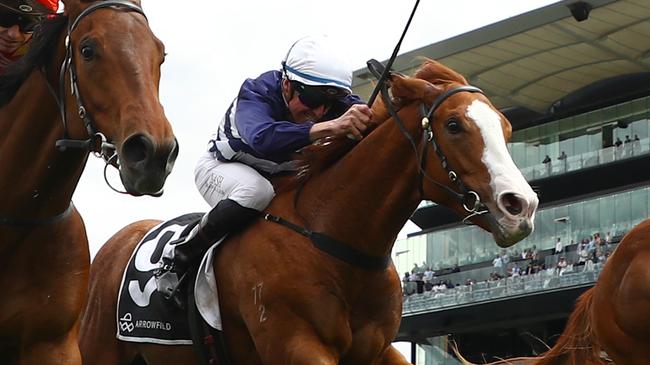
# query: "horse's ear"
408, 88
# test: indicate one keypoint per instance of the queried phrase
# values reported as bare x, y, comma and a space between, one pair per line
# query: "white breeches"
217, 180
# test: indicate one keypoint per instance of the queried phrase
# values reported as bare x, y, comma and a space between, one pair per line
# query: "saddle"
191, 318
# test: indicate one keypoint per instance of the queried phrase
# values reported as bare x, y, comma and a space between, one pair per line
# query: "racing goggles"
316, 96
25, 23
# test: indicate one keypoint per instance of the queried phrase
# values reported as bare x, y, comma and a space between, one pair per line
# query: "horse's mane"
317, 157
41, 49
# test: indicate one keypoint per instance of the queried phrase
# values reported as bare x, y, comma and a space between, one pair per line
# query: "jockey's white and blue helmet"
316, 61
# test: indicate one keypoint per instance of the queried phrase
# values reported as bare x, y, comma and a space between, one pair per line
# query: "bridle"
97, 142
469, 199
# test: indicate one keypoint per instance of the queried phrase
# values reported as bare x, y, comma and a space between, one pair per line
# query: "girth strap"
335, 248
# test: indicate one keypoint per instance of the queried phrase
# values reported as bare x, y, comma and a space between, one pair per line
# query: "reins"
469, 199
324, 242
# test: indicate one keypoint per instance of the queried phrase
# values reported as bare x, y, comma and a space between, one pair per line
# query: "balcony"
586, 160
488, 291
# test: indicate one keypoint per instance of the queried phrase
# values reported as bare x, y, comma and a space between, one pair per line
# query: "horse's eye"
87, 52
453, 126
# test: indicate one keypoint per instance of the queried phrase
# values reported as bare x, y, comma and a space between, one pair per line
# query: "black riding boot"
226, 217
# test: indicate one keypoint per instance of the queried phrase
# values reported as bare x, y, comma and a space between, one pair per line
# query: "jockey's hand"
352, 124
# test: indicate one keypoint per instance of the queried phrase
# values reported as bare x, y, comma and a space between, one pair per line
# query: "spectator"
428, 276
505, 258
589, 264
534, 255
619, 147
497, 263
561, 266
618, 142
547, 164
414, 277
608, 240
562, 158
636, 145
583, 255
516, 271
627, 146
559, 246
591, 246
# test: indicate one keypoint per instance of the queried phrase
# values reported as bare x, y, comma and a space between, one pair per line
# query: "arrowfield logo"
154, 325
125, 323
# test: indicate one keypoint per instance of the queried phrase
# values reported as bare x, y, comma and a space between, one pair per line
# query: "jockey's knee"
256, 195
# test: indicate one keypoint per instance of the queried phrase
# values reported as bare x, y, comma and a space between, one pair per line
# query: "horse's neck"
39, 178
367, 196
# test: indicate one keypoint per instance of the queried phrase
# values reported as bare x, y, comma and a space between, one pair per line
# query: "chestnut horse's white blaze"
507, 182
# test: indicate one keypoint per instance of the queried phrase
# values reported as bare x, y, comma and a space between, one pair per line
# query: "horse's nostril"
512, 203
136, 148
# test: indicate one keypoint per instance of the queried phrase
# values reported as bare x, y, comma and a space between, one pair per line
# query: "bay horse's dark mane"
315, 158
41, 50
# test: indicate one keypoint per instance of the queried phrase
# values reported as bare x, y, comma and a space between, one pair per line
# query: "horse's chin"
508, 232
143, 185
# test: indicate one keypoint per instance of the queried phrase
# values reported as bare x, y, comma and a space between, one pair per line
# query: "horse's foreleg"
392, 357
300, 349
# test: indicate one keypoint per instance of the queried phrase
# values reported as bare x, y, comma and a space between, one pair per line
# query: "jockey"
273, 116
18, 18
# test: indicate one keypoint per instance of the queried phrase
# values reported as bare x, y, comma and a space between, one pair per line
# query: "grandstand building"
573, 78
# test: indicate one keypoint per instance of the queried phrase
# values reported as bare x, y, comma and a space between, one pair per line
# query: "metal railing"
587, 159
549, 279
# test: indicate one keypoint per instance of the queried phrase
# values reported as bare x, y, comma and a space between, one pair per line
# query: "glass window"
622, 212
582, 138
638, 206
465, 252
462, 245
576, 221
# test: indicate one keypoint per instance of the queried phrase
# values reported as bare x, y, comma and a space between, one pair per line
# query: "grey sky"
213, 46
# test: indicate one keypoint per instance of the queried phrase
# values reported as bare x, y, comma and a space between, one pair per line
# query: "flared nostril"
512, 203
137, 148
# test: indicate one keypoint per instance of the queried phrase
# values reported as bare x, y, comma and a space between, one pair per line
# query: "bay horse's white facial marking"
507, 183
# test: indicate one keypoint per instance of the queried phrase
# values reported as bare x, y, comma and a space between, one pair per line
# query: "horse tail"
577, 345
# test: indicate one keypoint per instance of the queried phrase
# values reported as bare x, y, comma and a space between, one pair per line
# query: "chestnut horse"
89, 83
285, 301
611, 321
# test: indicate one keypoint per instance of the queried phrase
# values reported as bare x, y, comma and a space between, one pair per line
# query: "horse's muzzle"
145, 164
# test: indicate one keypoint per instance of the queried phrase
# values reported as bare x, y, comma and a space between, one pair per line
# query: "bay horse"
89, 83
611, 321
285, 301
